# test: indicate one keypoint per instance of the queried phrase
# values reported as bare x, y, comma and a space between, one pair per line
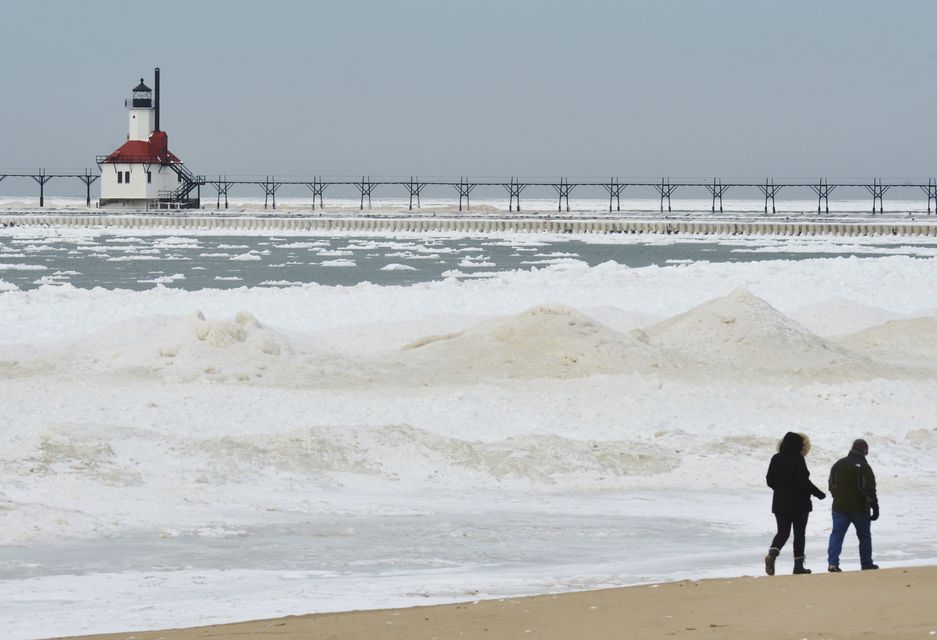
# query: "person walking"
789, 478
852, 485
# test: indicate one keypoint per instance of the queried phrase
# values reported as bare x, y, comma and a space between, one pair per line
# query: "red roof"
152, 151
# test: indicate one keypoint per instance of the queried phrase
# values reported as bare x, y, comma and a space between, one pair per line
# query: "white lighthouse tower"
143, 172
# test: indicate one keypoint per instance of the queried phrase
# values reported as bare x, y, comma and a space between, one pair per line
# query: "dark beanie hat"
861, 446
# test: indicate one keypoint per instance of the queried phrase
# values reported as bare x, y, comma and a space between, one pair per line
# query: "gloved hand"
875, 511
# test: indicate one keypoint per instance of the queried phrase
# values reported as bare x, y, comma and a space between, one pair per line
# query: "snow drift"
189, 349
547, 341
905, 341
743, 335
727, 338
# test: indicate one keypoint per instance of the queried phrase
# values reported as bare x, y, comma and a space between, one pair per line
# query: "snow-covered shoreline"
399, 445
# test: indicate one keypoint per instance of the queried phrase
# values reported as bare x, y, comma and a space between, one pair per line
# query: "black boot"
799, 565
773, 553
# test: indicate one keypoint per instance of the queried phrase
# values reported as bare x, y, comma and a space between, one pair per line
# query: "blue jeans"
863, 525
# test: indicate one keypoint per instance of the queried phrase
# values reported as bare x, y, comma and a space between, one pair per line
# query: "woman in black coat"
789, 478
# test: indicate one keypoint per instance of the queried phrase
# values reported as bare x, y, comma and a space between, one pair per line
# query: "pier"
415, 187
41, 177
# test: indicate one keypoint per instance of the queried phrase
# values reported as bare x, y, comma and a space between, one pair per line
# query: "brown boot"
773, 553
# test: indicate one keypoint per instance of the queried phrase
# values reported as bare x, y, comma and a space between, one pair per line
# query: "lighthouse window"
149, 177
179, 177
127, 177
120, 177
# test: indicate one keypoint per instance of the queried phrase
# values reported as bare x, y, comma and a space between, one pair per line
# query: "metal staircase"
189, 182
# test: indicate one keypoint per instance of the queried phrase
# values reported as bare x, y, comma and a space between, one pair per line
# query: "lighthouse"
142, 172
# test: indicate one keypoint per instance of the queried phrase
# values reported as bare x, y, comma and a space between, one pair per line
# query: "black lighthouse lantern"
142, 96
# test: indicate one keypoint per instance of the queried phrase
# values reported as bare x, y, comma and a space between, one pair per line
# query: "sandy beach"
890, 603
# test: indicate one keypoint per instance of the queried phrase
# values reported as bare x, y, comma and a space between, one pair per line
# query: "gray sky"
586, 88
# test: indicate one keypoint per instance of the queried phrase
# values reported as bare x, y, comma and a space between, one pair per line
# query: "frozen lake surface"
591, 412
203, 261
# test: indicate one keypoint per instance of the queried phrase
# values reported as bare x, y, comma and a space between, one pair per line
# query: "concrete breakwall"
471, 225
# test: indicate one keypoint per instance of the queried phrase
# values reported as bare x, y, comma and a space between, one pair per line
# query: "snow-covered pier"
414, 187
474, 225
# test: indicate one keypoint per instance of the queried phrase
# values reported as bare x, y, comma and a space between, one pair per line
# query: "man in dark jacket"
852, 485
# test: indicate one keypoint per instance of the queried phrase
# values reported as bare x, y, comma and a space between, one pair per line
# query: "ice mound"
838, 317
185, 349
547, 341
194, 347
415, 456
196, 338
743, 334
911, 341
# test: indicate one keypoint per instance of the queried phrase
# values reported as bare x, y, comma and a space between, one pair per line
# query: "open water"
224, 262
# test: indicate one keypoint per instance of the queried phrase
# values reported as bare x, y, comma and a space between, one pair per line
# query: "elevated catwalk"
514, 187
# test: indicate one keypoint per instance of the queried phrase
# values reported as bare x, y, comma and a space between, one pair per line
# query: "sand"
889, 603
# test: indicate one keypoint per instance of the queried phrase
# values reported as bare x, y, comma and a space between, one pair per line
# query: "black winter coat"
852, 484
790, 479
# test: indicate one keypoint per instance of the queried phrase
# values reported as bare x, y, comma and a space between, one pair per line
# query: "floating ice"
304, 245
175, 277
472, 262
22, 267
409, 255
175, 242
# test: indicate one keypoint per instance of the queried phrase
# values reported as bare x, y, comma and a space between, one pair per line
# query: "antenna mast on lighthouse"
156, 96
